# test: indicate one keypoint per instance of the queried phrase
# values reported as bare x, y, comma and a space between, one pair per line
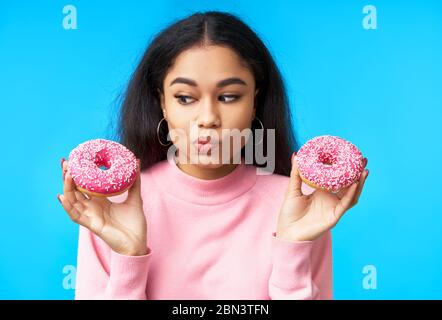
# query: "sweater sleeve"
105, 274
301, 270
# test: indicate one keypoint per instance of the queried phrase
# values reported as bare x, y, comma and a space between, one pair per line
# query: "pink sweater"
208, 239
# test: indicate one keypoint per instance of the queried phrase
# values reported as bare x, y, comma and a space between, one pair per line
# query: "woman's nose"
208, 115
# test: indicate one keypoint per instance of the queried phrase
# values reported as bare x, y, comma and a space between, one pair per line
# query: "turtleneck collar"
179, 184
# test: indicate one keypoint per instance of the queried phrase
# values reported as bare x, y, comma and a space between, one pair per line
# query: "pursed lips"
205, 140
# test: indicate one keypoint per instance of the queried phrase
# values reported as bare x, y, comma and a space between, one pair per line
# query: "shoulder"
158, 169
271, 185
147, 183
276, 183
152, 176
272, 179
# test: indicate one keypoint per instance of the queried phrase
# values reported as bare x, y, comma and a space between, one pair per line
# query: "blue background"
380, 89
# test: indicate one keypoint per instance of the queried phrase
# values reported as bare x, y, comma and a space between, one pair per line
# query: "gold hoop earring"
158, 134
262, 126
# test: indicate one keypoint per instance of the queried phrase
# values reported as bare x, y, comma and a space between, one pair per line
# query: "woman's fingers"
76, 200
344, 194
343, 191
104, 202
134, 193
80, 196
64, 167
61, 166
346, 201
360, 186
295, 182
69, 188
75, 211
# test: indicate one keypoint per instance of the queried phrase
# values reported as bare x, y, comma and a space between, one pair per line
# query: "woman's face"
208, 92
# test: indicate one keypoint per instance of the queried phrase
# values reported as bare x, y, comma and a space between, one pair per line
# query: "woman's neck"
207, 173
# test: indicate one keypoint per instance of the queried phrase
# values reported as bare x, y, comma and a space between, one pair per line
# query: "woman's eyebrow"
220, 84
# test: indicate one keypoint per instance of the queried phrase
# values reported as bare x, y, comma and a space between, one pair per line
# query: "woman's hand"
306, 217
121, 225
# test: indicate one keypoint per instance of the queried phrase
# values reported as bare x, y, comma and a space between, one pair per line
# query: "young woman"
198, 229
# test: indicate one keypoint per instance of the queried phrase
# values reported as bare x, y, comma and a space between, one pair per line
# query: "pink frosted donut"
102, 167
329, 163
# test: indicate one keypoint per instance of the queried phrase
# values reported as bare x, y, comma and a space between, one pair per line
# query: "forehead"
208, 65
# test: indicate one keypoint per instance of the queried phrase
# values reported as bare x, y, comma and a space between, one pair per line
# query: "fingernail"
365, 161
58, 197
293, 155
367, 173
61, 162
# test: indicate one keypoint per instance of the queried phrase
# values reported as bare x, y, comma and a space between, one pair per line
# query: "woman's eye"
182, 99
231, 97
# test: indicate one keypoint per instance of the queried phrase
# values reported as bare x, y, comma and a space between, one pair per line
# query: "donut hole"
102, 160
327, 163
326, 159
103, 165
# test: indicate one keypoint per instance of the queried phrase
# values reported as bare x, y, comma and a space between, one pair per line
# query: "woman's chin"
207, 161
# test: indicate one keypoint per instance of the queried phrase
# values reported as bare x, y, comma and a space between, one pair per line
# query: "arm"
302, 252
113, 258
104, 274
301, 269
